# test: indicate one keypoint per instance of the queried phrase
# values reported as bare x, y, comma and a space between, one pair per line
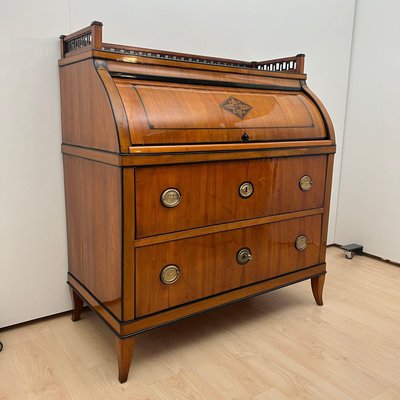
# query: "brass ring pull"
171, 197
246, 189
301, 242
305, 183
243, 256
170, 274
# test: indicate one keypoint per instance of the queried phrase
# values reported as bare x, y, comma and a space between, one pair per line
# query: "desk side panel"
86, 114
93, 208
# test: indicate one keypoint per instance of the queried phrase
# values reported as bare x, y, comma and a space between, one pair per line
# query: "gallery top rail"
90, 38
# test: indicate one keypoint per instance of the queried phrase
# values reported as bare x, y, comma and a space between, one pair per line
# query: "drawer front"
210, 192
209, 264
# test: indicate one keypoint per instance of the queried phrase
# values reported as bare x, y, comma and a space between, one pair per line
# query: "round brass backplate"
169, 274
246, 189
301, 242
243, 256
171, 197
305, 183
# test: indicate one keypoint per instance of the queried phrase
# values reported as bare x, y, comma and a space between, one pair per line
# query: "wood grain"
116, 68
95, 304
146, 155
77, 306
327, 203
327, 119
210, 192
82, 96
317, 286
125, 348
208, 263
93, 208
128, 232
123, 58
164, 238
117, 107
182, 148
166, 113
175, 314
274, 347
391, 393
139, 121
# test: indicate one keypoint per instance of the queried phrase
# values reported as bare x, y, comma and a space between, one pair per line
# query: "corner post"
97, 35
62, 46
300, 63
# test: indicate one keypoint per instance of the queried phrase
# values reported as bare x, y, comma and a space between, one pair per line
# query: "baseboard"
31, 321
397, 264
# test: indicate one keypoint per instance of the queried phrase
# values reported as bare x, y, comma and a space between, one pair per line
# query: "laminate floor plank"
84, 349
28, 332
224, 373
45, 371
186, 385
10, 385
278, 346
272, 394
102, 383
391, 393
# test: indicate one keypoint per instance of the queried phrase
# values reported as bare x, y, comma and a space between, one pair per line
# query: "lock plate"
305, 183
169, 274
246, 189
243, 256
171, 197
301, 242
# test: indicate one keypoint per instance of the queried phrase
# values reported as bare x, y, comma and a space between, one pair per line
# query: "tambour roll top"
153, 97
189, 113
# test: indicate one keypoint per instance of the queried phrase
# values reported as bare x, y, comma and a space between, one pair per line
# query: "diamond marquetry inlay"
236, 107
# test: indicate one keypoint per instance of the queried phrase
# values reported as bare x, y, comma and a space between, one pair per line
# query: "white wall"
369, 202
33, 257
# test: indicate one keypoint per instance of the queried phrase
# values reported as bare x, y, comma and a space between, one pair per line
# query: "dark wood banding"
191, 182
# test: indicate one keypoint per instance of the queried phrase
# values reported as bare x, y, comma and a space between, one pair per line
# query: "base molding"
124, 329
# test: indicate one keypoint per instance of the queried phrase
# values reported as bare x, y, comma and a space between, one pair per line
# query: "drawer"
210, 192
207, 265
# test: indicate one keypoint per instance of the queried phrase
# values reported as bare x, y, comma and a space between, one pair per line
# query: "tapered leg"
77, 303
317, 285
125, 349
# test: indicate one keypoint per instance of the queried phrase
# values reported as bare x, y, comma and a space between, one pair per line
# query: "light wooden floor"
277, 346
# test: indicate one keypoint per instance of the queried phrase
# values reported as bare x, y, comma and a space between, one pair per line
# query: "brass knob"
305, 183
301, 242
246, 189
243, 256
171, 197
170, 274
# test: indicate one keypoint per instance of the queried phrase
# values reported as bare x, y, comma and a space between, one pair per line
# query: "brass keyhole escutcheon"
301, 242
305, 183
170, 274
171, 197
243, 256
246, 189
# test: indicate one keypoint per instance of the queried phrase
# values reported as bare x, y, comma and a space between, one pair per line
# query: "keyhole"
245, 137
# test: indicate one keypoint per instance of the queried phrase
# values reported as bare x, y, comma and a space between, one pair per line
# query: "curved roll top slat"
172, 113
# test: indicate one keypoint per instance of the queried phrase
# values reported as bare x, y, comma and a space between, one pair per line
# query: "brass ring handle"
301, 242
171, 197
305, 183
170, 274
243, 256
246, 189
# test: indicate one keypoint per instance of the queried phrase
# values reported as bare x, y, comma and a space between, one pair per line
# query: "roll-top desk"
190, 181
